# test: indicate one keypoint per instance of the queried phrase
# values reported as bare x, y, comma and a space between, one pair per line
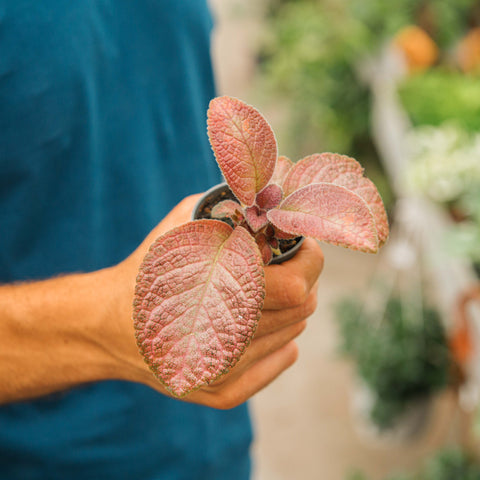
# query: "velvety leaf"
264, 247
256, 218
343, 171
319, 168
226, 209
269, 197
368, 191
197, 302
244, 146
284, 164
281, 235
329, 213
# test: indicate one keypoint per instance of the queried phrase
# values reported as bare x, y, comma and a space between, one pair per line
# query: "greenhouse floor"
304, 424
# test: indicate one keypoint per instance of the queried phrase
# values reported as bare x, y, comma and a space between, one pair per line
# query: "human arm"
69, 330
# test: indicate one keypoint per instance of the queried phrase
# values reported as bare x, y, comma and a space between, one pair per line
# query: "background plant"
401, 356
309, 61
444, 166
442, 95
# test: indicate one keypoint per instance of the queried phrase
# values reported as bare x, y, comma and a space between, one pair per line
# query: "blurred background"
387, 385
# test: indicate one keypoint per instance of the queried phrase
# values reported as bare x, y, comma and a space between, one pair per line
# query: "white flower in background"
444, 162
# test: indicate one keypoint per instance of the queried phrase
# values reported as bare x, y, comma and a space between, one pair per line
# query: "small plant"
200, 288
403, 358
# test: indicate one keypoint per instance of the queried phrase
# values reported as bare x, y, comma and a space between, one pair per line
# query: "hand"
290, 299
291, 295
95, 339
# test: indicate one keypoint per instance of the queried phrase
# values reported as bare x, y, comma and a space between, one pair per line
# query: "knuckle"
292, 353
317, 254
227, 401
296, 292
300, 327
311, 304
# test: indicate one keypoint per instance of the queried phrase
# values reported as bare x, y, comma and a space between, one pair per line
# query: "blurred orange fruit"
418, 48
468, 51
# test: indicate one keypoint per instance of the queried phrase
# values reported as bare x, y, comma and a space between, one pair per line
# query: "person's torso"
102, 131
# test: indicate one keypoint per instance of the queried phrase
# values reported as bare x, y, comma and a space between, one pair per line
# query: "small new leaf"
269, 197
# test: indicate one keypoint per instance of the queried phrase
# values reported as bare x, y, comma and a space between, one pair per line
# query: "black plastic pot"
222, 192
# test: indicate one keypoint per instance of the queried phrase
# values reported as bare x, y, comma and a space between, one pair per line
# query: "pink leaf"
197, 302
226, 208
269, 197
284, 164
343, 171
281, 235
244, 146
319, 168
329, 213
264, 248
256, 218
368, 191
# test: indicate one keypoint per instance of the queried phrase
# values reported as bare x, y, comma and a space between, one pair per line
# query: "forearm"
49, 334
69, 330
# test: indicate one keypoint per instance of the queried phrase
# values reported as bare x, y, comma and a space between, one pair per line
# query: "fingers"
251, 381
258, 350
274, 320
267, 344
288, 284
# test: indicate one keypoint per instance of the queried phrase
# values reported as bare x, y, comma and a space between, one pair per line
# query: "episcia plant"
200, 288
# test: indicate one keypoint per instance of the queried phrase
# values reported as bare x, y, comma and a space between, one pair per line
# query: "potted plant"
200, 288
400, 360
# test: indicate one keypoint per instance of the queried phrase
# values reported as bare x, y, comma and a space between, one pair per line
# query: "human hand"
290, 299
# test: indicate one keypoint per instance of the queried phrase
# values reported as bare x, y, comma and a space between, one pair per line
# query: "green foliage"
451, 465
447, 464
463, 240
438, 95
310, 57
402, 358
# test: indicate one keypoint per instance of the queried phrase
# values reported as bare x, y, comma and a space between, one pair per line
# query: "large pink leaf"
317, 168
197, 302
244, 146
329, 213
343, 171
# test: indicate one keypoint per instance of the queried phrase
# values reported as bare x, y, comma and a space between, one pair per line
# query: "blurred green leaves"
310, 56
440, 95
401, 357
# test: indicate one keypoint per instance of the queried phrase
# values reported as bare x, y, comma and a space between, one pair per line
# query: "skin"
65, 331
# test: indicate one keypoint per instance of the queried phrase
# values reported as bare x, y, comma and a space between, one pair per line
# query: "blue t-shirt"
102, 131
